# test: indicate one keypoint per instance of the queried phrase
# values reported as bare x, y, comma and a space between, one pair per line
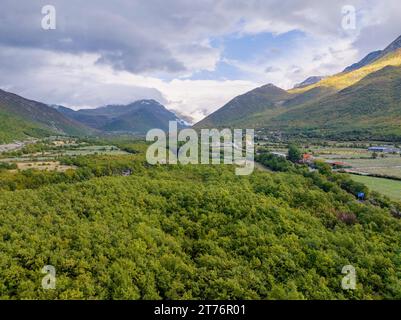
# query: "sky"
192, 56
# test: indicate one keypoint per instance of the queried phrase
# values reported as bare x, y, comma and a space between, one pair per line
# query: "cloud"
117, 51
198, 98
80, 82
271, 69
156, 35
136, 36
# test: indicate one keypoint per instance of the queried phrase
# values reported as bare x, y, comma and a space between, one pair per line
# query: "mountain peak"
136, 117
268, 88
146, 101
263, 98
308, 81
375, 55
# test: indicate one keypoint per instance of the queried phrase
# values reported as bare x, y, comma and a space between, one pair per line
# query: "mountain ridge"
137, 117
308, 81
33, 118
375, 55
321, 108
257, 100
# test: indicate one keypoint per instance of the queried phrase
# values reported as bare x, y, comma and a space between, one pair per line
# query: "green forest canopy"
195, 232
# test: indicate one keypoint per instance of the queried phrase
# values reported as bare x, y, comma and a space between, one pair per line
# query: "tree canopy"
196, 232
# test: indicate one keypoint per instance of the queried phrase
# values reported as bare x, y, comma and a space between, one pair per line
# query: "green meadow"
387, 187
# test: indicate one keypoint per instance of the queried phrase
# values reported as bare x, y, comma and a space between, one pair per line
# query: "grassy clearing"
345, 153
45, 166
359, 159
376, 163
382, 171
47, 160
390, 188
390, 166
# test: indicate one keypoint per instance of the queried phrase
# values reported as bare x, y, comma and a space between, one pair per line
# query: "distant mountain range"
362, 102
21, 118
137, 117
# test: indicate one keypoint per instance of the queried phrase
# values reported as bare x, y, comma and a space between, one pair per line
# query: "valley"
80, 195
357, 104
352, 158
115, 227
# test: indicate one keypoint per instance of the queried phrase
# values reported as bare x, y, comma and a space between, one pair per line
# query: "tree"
324, 168
294, 153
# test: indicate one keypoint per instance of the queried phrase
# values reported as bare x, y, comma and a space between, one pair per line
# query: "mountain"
137, 117
365, 61
342, 80
308, 81
88, 118
364, 102
375, 55
253, 107
21, 118
258, 100
369, 108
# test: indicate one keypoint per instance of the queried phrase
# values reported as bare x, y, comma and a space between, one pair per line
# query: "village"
376, 165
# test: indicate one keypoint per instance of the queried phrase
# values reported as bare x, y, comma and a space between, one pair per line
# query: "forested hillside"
13, 127
369, 108
21, 118
196, 232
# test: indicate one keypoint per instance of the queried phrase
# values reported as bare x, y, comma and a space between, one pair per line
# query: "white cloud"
115, 52
77, 81
303, 59
198, 98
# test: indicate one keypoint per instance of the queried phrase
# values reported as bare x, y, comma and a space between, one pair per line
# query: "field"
46, 166
48, 158
90, 150
360, 161
390, 188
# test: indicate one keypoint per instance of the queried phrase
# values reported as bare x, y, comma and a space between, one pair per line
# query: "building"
385, 149
307, 158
